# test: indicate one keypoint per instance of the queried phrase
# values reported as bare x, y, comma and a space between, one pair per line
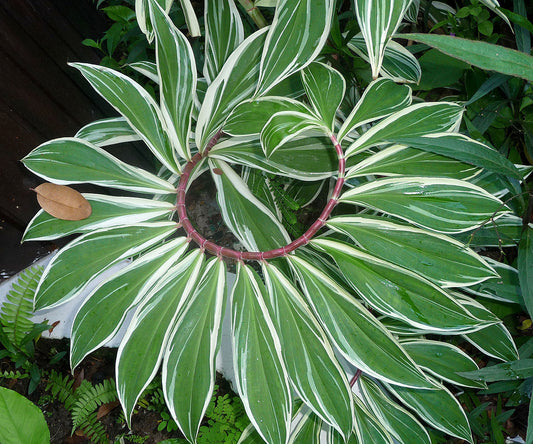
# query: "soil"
95, 368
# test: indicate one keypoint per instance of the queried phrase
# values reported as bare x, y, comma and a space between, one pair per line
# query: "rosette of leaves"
354, 286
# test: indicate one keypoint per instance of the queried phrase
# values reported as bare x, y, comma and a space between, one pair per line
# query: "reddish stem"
254, 255
355, 377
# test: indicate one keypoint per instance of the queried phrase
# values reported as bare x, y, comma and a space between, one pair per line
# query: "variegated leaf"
249, 118
190, 18
112, 299
284, 127
381, 98
249, 219
307, 429
177, 79
68, 160
442, 360
378, 21
398, 65
398, 292
438, 407
136, 105
436, 257
308, 159
399, 160
401, 424
107, 211
504, 232
414, 121
439, 204
234, 84
296, 36
525, 266
108, 132
87, 256
142, 12
358, 335
142, 347
223, 33
325, 88
260, 374
464, 149
494, 340
147, 69
189, 361
367, 427
311, 365
505, 289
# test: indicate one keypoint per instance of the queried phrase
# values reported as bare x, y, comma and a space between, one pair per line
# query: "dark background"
41, 98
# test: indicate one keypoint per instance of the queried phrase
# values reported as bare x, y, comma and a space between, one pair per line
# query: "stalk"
254, 13
255, 255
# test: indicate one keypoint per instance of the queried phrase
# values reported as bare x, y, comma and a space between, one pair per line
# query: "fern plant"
376, 279
18, 332
82, 402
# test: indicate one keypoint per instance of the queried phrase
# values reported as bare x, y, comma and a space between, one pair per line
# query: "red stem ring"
254, 255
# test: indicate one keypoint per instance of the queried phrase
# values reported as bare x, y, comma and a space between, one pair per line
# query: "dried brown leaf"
105, 409
62, 202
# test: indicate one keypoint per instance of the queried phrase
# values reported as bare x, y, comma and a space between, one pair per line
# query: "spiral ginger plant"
355, 295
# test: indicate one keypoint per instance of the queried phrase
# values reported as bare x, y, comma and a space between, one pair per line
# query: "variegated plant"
343, 309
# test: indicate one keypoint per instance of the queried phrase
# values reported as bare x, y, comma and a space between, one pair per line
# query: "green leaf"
439, 204
367, 427
107, 211
68, 160
507, 371
325, 89
414, 121
401, 424
260, 374
249, 117
283, 127
398, 292
442, 360
177, 79
316, 376
136, 105
525, 267
481, 54
108, 132
464, 149
439, 70
438, 407
86, 257
296, 36
21, 421
436, 257
399, 160
195, 339
398, 65
249, 219
358, 335
308, 159
381, 98
223, 33
143, 345
147, 69
235, 83
378, 22
112, 299
504, 232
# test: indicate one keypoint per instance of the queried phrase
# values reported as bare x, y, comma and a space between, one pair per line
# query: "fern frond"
16, 312
61, 387
10, 374
89, 397
94, 429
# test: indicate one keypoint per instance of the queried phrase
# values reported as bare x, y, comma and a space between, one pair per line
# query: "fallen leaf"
104, 409
62, 202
